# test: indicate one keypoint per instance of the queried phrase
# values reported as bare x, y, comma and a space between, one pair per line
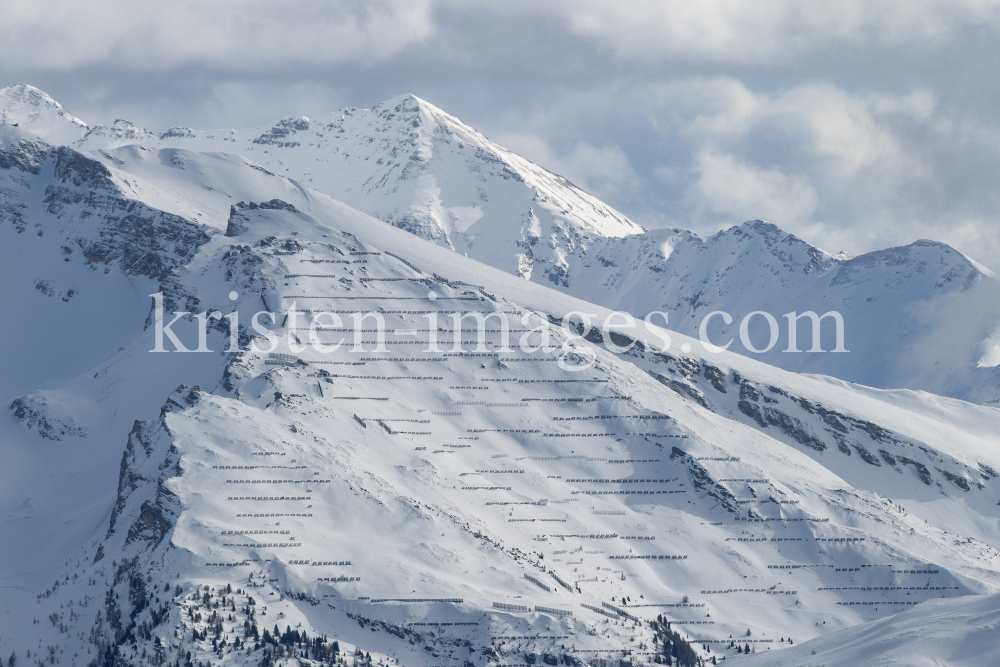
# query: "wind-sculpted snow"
439, 507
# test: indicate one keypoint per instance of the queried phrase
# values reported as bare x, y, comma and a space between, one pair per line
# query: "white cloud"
602, 171
841, 134
845, 170
883, 169
730, 186
61, 35
248, 35
741, 32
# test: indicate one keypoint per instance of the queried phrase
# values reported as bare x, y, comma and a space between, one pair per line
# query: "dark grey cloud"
856, 125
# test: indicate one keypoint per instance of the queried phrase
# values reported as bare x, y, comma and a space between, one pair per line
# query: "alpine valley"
346, 493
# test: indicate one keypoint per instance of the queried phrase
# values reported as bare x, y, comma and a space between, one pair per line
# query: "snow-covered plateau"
472, 503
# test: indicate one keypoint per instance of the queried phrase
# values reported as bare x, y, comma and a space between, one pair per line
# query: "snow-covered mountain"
407, 162
31, 109
453, 507
957, 633
922, 316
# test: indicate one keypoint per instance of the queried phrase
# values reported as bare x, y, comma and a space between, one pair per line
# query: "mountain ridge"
410, 164
37, 111
795, 498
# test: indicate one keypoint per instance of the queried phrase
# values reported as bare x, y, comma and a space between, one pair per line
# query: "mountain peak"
774, 237
405, 98
121, 131
407, 102
768, 232
36, 111
27, 97
958, 257
424, 116
771, 233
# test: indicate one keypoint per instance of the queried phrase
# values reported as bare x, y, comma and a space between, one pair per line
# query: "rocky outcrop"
47, 417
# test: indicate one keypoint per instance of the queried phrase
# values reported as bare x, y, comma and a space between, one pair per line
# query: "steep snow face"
376, 496
33, 110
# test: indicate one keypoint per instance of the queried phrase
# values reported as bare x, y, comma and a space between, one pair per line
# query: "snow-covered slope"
407, 162
957, 633
389, 499
922, 316
31, 109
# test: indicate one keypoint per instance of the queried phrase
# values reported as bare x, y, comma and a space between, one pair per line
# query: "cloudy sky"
856, 125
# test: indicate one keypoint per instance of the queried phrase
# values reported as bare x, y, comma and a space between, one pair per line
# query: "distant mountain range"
469, 507
922, 316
